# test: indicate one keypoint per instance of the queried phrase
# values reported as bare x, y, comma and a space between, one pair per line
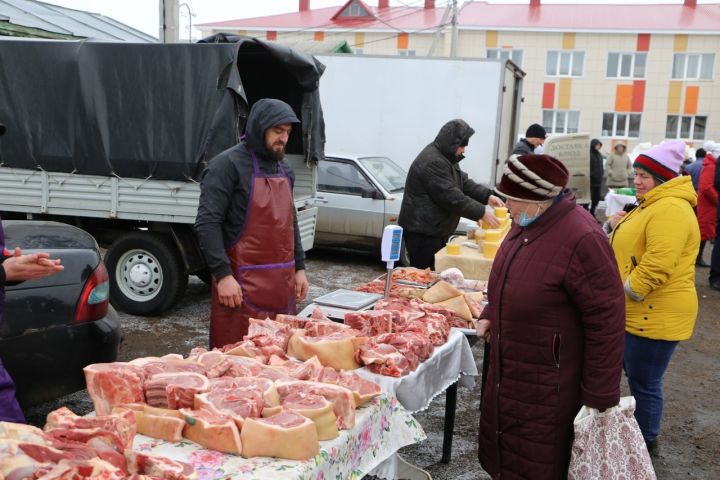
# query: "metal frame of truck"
146, 223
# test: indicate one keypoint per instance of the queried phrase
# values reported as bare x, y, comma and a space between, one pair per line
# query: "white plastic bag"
609, 445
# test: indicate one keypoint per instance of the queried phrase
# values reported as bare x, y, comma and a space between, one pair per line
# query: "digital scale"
336, 304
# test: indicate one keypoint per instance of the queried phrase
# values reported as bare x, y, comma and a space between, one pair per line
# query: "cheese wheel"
439, 292
285, 435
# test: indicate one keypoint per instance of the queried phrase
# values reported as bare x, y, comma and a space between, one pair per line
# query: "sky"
143, 14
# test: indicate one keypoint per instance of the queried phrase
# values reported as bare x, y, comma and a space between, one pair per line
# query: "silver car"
357, 197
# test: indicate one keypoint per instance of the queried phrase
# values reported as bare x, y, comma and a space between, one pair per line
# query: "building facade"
623, 73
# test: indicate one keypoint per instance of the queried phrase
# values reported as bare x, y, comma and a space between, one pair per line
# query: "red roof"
573, 17
634, 18
393, 18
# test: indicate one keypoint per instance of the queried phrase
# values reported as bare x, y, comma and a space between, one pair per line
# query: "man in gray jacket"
534, 137
438, 193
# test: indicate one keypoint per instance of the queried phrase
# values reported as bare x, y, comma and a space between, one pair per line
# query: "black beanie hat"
535, 131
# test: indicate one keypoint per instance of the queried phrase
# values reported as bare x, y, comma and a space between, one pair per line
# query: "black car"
55, 326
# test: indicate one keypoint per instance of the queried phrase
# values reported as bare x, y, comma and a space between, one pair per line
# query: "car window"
339, 177
390, 175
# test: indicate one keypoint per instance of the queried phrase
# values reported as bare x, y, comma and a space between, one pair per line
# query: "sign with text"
573, 149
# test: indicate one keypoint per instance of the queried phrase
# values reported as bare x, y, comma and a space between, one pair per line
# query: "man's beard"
277, 155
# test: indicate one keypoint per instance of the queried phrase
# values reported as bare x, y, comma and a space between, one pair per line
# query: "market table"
470, 261
380, 430
449, 364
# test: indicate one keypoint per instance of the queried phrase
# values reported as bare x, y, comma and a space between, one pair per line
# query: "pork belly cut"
158, 467
153, 365
212, 429
286, 435
363, 390
370, 322
384, 359
342, 399
264, 385
160, 423
317, 408
270, 331
111, 384
120, 423
175, 390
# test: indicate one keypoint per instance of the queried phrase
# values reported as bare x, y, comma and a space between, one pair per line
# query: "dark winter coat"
523, 147
597, 170
557, 313
225, 188
437, 193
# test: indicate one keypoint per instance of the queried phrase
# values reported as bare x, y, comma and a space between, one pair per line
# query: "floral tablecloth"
380, 430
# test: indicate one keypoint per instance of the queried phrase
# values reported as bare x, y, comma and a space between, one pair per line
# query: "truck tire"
146, 272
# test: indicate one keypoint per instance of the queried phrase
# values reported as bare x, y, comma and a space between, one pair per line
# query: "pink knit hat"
662, 161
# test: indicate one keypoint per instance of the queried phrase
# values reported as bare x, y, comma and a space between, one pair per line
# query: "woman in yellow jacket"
655, 246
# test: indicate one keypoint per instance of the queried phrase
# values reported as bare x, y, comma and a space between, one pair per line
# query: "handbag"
609, 445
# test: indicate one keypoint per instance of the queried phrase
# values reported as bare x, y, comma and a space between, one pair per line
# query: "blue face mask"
524, 219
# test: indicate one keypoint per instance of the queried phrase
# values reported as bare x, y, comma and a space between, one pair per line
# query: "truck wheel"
146, 272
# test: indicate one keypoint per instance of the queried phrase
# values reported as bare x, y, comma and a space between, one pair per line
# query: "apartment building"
623, 73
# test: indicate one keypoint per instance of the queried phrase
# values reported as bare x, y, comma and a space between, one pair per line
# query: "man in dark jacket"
438, 193
247, 226
534, 137
597, 172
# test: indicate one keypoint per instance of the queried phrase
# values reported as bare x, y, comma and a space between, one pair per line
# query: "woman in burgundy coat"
555, 322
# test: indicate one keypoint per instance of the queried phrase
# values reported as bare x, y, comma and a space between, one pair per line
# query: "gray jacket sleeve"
216, 189
299, 252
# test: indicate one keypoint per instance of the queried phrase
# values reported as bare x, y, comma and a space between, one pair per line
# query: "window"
406, 53
626, 65
514, 54
561, 121
339, 177
693, 66
355, 9
687, 127
621, 125
564, 63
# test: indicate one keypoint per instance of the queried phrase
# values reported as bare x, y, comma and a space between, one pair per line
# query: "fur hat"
533, 178
662, 161
535, 131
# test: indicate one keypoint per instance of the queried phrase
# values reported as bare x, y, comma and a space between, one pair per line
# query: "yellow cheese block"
490, 249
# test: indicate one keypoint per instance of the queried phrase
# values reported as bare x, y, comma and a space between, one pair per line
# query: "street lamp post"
190, 15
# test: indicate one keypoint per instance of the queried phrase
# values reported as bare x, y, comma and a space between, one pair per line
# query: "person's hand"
495, 202
491, 219
28, 267
229, 292
482, 328
301, 285
616, 218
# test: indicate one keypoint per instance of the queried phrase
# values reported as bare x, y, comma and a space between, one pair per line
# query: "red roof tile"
394, 18
520, 16
573, 17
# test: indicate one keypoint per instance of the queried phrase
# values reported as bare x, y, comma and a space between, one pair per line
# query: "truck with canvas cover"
114, 137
